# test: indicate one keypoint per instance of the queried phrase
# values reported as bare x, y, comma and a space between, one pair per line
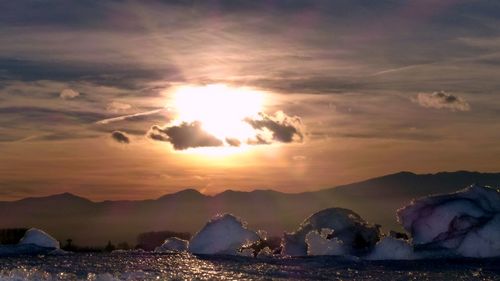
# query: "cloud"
233, 142
268, 129
120, 137
184, 136
442, 100
277, 128
68, 94
116, 107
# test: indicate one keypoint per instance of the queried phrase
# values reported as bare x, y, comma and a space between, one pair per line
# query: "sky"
137, 99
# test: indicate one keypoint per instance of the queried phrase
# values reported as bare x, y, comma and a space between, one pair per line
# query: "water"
150, 266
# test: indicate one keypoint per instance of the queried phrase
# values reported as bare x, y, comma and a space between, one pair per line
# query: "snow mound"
173, 244
223, 234
390, 248
348, 228
466, 223
39, 238
319, 245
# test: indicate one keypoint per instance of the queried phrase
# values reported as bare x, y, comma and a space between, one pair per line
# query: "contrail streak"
124, 117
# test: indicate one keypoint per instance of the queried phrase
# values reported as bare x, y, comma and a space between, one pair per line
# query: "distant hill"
94, 223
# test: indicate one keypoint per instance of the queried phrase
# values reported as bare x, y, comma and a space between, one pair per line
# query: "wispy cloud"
116, 107
68, 94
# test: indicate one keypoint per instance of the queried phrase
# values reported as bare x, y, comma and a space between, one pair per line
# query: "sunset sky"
136, 99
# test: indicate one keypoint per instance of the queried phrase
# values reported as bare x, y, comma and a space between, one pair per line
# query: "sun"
220, 109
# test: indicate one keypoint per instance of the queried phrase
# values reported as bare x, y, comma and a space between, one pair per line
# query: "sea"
184, 266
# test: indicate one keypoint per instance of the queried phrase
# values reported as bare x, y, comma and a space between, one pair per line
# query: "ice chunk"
265, 253
482, 242
356, 235
34, 241
39, 238
246, 252
390, 248
224, 234
319, 245
465, 222
59, 252
173, 244
262, 247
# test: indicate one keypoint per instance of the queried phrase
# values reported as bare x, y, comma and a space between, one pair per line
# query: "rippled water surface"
149, 266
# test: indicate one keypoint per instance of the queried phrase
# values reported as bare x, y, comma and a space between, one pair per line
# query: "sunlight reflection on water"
148, 266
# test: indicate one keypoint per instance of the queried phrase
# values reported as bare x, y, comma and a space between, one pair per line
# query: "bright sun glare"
220, 109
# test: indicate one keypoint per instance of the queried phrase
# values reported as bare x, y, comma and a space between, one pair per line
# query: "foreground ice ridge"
344, 233
40, 238
34, 241
173, 244
390, 248
319, 244
224, 234
465, 223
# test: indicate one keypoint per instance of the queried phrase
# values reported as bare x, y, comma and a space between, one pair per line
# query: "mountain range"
94, 223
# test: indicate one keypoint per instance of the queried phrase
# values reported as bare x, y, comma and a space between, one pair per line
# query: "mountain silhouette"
94, 223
